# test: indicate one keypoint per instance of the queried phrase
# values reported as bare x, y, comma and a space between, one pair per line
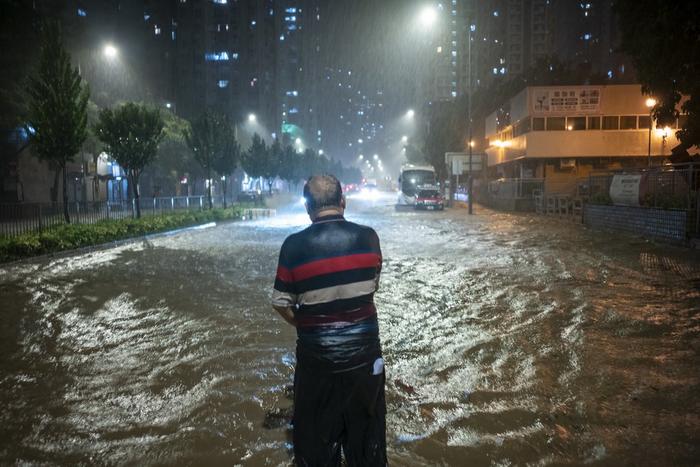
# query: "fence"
515, 188
663, 191
16, 219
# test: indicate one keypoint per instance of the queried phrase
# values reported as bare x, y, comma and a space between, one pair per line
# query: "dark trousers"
345, 409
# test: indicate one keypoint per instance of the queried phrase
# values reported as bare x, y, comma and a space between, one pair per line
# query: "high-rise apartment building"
509, 36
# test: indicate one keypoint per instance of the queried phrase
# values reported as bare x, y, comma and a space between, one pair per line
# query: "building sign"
624, 189
459, 162
565, 100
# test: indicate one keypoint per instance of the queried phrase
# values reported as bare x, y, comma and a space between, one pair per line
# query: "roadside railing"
19, 218
515, 188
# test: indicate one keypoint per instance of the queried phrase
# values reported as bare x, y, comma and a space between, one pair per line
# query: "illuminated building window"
82, 12
220, 56
223, 83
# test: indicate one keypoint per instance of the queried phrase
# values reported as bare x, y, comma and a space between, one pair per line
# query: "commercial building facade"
561, 134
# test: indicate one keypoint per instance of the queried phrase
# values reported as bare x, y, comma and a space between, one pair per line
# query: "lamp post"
650, 103
469, 114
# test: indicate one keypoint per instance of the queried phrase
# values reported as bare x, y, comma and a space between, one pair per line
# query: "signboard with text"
565, 100
624, 190
459, 162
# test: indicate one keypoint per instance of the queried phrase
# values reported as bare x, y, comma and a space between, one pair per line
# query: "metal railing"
515, 188
663, 187
19, 218
667, 187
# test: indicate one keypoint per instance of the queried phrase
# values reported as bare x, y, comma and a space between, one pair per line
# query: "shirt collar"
328, 218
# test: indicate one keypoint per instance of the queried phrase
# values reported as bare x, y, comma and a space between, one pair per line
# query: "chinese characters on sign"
565, 100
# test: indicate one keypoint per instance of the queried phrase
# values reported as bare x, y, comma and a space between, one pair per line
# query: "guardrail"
20, 218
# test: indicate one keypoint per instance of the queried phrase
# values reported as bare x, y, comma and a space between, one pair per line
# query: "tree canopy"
131, 134
57, 107
212, 142
662, 38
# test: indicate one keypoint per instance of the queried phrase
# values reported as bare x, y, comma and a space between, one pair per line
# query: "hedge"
72, 236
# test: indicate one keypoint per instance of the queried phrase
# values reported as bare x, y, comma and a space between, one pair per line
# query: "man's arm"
286, 313
284, 296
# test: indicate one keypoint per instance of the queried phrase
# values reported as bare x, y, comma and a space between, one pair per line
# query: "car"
430, 199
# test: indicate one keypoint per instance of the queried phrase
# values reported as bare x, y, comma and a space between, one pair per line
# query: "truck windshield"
412, 179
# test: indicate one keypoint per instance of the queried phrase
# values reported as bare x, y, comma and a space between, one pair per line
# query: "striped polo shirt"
329, 273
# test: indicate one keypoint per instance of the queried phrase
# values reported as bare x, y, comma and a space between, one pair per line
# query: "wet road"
509, 340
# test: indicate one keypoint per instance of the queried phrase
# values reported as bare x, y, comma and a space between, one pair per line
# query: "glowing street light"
427, 16
361, 157
320, 152
404, 139
297, 141
110, 51
376, 156
650, 103
252, 118
411, 113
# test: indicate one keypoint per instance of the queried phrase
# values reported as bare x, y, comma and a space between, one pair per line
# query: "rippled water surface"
509, 340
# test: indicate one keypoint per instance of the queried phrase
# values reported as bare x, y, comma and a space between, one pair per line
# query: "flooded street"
509, 340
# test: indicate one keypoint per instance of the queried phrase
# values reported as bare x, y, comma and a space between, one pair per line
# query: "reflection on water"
509, 339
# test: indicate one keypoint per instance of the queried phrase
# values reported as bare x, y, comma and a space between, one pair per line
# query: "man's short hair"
321, 192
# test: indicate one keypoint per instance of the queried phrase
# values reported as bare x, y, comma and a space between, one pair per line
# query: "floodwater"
509, 340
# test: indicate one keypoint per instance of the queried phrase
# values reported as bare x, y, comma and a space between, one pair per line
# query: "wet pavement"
509, 340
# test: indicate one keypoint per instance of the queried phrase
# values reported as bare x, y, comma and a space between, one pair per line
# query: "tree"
288, 166
413, 154
57, 108
226, 159
662, 40
208, 138
131, 135
273, 163
256, 158
174, 159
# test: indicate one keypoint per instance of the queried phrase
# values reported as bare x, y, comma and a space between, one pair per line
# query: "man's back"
330, 271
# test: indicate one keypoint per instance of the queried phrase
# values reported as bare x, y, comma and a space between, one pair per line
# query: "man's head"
323, 193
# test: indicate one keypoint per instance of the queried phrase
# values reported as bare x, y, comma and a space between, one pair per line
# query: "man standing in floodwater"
326, 280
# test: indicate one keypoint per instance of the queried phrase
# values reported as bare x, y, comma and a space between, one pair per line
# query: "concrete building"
510, 36
560, 134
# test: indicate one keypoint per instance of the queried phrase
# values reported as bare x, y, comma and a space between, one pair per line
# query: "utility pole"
469, 114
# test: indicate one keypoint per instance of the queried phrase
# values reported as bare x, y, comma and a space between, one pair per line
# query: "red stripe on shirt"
284, 274
336, 264
328, 320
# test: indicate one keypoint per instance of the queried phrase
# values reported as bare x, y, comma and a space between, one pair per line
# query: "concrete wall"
659, 224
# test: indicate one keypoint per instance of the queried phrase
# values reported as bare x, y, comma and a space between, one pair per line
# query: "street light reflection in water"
508, 339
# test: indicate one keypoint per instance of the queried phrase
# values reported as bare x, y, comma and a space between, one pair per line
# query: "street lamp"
411, 113
252, 118
320, 152
427, 17
297, 141
472, 28
110, 51
404, 139
376, 156
650, 103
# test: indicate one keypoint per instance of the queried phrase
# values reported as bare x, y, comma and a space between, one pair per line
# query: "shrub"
71, 236
600, 198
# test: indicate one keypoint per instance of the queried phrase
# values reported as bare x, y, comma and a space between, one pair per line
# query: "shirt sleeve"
378, 250
284, 291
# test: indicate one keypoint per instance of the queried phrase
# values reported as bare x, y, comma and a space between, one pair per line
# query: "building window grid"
580, 122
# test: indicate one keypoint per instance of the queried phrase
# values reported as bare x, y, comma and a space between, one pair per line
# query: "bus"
411, 178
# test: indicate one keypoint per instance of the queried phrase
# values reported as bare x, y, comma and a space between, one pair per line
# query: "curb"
115, 243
